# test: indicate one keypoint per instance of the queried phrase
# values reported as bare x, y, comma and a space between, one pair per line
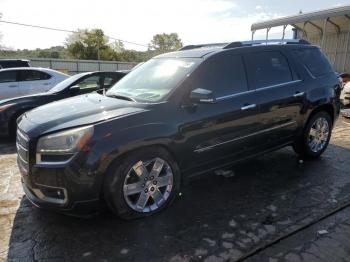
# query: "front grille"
22, 144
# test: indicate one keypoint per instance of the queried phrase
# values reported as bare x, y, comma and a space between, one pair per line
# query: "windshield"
65, 83
153, 80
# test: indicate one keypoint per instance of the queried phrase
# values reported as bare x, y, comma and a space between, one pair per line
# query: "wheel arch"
329, 108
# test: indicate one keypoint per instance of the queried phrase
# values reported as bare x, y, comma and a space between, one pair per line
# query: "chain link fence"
78, 66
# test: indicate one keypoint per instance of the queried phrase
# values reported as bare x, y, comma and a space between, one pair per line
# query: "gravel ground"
216, 218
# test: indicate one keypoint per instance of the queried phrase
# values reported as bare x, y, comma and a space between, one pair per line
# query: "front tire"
142, 183
315, 138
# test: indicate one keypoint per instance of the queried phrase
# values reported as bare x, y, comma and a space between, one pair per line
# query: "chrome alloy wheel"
318, 135
148, 185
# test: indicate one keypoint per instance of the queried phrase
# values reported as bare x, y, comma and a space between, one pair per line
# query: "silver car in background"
21, 81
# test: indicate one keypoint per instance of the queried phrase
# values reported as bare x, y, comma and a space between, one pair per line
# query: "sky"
195, 21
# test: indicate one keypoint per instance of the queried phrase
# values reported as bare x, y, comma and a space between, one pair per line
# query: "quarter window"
314, 60
267, 69
224, 74
8, 76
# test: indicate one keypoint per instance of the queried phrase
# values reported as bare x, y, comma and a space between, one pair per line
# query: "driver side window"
91, 83
224, 74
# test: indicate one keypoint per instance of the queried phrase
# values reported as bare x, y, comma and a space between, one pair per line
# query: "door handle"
299, 94
46, 84
248, 107
12, 86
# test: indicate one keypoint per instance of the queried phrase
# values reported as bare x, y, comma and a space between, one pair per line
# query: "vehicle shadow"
215, 216
8, 146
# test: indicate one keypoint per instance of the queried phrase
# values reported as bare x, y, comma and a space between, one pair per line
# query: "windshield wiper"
122, 97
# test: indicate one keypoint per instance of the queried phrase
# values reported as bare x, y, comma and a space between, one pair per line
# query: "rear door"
220, 131
280, 94
34, 81
8, 84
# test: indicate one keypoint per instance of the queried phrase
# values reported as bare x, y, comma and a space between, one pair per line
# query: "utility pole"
98, 51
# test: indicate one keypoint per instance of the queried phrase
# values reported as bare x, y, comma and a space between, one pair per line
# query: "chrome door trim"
299, 94
234, 95
251, 106
258, 89
278, 85
200, 150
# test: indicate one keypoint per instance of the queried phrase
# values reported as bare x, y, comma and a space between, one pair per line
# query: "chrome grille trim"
22, 146
22, 136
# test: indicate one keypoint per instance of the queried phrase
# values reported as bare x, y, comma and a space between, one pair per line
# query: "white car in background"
22, 81
345, 96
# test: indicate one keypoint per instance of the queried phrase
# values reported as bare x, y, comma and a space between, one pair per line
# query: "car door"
279, 92
34, 81
8, 84
221, 131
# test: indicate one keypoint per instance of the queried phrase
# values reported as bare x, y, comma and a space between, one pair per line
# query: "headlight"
65, 142
4, 107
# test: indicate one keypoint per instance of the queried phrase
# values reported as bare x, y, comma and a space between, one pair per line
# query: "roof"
339, 18
13, 59
33, 68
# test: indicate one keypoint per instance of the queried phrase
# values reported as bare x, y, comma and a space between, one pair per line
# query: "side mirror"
74, 89
202, 96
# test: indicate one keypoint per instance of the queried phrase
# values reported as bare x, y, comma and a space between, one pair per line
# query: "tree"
118, 46
165, 42
89, 44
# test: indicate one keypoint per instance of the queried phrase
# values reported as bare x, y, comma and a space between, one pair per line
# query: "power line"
65, 30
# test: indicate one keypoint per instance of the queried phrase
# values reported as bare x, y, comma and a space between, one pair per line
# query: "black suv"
10, 63
178, 115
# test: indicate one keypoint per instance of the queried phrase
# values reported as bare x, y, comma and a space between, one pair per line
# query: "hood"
76, 111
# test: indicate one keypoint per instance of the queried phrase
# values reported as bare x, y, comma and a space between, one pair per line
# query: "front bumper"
80, 208
66, 189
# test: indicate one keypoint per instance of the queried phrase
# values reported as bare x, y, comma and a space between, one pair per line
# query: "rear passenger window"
223, 74
314, 60
268, 69
44, 76
33, 75
8, 76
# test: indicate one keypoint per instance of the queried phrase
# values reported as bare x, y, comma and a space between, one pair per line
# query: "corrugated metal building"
329, 28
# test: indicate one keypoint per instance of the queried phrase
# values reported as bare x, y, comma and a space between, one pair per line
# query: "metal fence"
78, 66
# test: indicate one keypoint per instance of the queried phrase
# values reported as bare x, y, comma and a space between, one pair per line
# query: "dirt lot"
216, 218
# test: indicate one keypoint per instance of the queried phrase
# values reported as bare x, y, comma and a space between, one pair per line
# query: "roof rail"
246, 43
189, 47
269, 41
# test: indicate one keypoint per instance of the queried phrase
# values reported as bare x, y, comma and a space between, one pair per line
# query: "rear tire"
315, 138
142, 183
